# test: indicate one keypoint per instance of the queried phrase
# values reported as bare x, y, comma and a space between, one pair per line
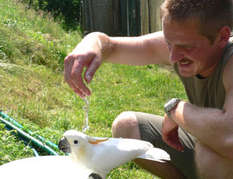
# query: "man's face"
193, 52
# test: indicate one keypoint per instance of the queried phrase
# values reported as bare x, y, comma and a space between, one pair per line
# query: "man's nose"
176, 54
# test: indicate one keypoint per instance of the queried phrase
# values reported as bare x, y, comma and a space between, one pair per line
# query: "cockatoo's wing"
58, 167
107, 154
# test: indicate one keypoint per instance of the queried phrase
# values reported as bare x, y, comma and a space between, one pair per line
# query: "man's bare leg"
164, 170
212, 166
126, 126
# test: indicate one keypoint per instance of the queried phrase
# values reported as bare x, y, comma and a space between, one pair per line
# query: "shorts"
150, 127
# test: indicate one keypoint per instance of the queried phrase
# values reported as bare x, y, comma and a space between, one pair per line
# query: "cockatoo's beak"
64, 145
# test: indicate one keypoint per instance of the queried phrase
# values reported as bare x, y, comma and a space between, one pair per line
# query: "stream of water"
86, 109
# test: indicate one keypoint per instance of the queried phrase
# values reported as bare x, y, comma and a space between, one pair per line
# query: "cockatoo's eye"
75, 141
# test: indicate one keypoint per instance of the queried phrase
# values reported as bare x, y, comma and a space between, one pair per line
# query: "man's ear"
223, 36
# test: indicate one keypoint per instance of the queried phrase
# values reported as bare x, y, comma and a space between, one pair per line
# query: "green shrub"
68, 10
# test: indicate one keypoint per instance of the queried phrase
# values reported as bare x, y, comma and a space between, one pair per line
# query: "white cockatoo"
101, 155
90, 158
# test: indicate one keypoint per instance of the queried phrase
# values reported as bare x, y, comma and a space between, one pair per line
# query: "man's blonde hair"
212, 15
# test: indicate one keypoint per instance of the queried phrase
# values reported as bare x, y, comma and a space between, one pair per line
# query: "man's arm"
212, 127
141, 50
98, 47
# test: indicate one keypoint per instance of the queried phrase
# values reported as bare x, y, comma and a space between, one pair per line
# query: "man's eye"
75, 142
189, 48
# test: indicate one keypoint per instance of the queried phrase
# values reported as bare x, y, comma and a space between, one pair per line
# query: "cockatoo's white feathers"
155, 154
103, 154
91, 158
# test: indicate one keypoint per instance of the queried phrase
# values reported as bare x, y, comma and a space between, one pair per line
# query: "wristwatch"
170, 105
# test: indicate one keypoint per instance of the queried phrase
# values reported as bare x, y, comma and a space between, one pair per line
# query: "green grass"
32, 49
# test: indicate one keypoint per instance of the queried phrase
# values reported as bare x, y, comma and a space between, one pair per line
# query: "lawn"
33, 91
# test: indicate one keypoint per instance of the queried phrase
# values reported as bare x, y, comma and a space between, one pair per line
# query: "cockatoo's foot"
94, 176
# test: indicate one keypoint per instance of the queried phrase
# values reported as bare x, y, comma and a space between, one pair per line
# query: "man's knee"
126, 125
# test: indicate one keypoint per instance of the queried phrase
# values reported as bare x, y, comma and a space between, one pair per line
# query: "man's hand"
170, 133
81, 65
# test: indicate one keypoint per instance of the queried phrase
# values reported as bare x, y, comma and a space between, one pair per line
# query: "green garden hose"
39, 141
14, 122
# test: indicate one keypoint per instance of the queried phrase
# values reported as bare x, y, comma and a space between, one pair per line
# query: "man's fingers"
175, 144
74, 65
91, 69
68, 63
68, 79
78, 91
77, 79
172, 139
73, 75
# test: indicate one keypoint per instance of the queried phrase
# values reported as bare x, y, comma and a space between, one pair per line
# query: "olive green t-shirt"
208, 92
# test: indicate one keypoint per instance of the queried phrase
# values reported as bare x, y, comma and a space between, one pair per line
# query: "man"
195, 41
